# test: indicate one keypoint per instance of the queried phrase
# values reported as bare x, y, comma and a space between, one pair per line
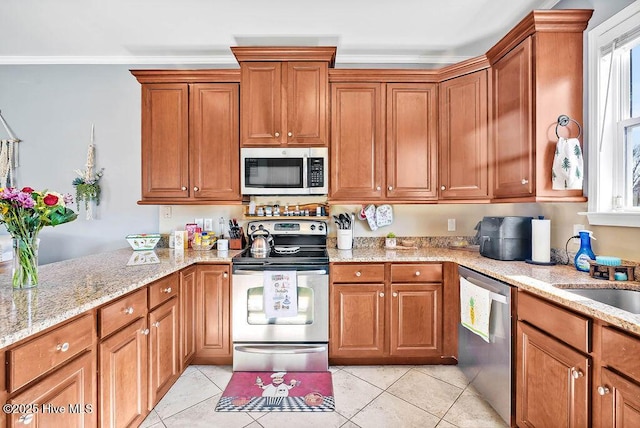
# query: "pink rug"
278, 391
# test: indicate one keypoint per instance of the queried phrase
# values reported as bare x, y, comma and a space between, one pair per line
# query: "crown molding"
355, 58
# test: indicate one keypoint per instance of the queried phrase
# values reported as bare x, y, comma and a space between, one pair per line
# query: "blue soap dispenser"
585, 253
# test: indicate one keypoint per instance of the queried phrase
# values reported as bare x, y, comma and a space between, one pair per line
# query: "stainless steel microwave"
284, 171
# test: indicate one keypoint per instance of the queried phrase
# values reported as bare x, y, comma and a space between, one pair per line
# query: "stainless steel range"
281, 298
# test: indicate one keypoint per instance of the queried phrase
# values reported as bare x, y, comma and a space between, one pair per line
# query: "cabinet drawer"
357, 273
121, 312
561, 323
620, 350
163, 289
44, 353
416, 272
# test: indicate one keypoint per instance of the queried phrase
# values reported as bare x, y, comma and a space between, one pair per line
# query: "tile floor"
365, 396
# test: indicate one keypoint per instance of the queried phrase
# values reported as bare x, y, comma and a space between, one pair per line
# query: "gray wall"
51, 109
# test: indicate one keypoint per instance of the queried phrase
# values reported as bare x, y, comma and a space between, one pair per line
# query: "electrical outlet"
166, 211
451, 225
577, 228
208, 224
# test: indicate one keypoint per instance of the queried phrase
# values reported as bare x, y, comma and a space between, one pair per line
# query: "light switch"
451, 225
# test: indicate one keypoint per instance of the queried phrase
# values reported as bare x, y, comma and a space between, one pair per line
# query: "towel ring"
563, 120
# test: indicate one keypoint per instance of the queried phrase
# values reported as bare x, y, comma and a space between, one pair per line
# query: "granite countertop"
71, 287
544, 281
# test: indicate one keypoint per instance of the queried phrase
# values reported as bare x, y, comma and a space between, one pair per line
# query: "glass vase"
25, 262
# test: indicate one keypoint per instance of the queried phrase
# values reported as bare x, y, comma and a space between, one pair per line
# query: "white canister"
223, 244
345, 239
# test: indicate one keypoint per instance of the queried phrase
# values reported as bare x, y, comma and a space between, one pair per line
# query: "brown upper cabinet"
463, 166
536, 76
284, 95
383, 141
189, 129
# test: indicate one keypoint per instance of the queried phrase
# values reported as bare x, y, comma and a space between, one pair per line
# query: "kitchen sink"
627, 300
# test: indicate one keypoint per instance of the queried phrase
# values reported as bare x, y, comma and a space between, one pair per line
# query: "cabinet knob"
576, 373
225, 275
603, 390
524, 181
26, 419
395, 294
128, 311
156, 324
277, 134
196, 188
378, 187
358, 273
289, 134
443, 187
145, 331
62, 347
184, 187
417, 273
381, 294
390, 188
166, 290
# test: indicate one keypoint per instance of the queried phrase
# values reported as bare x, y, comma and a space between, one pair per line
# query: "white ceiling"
423, 32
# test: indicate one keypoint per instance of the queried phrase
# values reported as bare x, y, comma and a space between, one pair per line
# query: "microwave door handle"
305, 173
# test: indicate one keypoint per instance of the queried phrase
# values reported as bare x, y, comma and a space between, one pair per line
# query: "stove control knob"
313, 227
253, 227
321, 228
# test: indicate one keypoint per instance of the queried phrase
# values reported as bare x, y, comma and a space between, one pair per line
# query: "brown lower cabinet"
188, 319
164, 349
66, 398
123, 376
391, 313
213, 314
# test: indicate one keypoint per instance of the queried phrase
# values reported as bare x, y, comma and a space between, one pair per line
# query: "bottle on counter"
585, 253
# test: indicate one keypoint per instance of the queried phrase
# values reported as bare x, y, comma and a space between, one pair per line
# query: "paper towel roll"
541, 241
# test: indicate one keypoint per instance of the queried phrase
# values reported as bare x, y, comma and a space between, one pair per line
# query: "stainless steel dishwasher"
488, 365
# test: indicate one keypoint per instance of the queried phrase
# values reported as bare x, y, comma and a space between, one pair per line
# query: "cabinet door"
165, 140
214, 141
412, 139
356, 320
164, 349
416, 320
213, 333
357, 141
552, 381
188, 304
463, 153
513, 152
307, 103
261, 104
66, 398
619, 401
123, 376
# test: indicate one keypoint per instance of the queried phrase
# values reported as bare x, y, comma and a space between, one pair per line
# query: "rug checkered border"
288, 404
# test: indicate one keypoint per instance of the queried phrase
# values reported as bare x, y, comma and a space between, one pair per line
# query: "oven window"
256, 315
274, 172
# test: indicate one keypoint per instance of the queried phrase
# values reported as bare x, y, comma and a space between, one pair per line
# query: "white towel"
280, 293
568, 165
475, 308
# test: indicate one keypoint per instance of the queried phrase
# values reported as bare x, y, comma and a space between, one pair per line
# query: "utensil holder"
345, 239
238, 243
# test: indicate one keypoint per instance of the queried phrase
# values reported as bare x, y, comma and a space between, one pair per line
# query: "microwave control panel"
316, 172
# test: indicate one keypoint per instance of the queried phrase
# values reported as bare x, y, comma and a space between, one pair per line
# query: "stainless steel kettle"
261, 242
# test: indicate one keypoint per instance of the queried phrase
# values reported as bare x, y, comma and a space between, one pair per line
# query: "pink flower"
25, 200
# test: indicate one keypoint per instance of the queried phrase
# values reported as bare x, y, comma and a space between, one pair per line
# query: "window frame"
603, 182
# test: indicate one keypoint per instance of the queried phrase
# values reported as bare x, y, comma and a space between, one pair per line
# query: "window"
614, 114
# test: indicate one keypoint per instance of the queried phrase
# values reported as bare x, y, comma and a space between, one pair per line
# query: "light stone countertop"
71, 287
544, 281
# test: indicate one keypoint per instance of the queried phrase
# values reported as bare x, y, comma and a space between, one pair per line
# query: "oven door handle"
279, 349
261, 272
